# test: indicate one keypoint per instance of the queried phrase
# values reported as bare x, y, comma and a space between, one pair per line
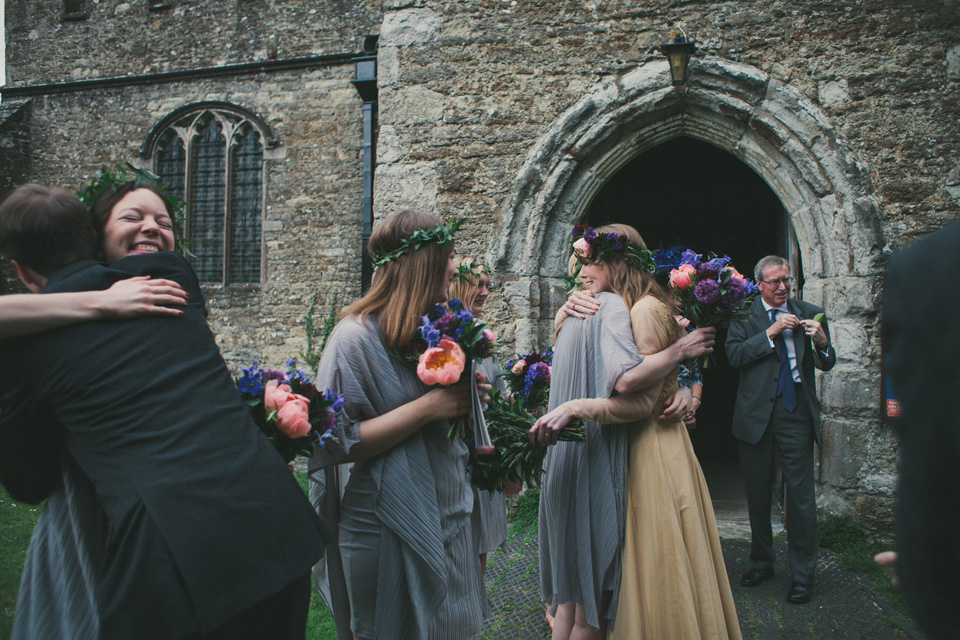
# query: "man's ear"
30, 278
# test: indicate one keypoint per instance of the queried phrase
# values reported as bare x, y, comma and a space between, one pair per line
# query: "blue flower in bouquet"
528, 378
717, 264
251, 382
289, 409
690, 257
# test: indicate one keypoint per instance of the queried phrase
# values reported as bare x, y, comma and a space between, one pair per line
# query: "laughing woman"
404, 565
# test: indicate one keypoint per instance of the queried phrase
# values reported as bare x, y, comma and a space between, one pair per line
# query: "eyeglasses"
787, 282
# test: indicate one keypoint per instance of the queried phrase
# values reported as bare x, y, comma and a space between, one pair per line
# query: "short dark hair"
102, 206
45, 228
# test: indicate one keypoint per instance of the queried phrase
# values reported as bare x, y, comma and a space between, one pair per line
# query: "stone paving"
844, 606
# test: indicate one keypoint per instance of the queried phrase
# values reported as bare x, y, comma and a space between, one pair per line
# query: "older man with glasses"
777, 414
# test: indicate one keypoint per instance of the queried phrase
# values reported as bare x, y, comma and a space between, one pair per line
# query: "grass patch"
848, 539
524, 510
16, 525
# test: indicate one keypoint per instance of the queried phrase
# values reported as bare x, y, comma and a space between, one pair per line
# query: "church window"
212, 159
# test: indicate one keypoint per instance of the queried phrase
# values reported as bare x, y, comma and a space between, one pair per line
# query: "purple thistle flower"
707, 291
272, 374
736, 293
446, 324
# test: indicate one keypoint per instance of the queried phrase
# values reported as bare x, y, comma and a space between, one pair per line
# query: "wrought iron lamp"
678, 54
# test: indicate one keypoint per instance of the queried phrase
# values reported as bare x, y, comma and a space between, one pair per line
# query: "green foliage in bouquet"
514, 459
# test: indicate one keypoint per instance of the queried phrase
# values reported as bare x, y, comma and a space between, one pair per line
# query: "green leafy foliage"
515, 459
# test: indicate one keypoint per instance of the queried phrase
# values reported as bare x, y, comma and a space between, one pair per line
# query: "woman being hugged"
671, 581
403, 564
471, 286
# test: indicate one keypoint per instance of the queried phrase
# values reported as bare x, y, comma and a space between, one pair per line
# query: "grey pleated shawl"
583, 495
422, 500
57, 589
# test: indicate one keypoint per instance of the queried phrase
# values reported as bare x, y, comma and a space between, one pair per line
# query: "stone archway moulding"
783, 136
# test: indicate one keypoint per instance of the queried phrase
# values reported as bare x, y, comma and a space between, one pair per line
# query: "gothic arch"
770, 126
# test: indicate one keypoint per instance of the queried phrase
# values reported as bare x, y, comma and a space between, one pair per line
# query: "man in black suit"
206, 533
777, 414
922, 351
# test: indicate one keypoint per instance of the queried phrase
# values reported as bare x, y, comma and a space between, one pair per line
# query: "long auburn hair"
409, 285
628, 282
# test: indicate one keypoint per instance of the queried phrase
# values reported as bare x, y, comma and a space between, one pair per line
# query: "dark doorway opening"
691, 193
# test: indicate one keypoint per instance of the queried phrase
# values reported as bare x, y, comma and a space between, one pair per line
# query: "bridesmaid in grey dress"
471, 286
403, 564
583, 493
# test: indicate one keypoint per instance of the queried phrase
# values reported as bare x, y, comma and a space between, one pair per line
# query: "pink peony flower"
519, 368
293, 417
275, 394
582, 248
442, 364
681, 276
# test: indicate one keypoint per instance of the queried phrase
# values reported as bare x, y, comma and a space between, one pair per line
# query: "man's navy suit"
202, 517
762, 425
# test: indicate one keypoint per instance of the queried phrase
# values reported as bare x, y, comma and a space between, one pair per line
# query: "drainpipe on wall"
365, 81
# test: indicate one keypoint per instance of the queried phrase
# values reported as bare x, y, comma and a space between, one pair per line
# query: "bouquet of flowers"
710, 292
290, 410
528, 378
453, 338
513, 459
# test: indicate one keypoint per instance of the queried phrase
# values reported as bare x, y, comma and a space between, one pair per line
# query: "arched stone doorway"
785, 139
690, 193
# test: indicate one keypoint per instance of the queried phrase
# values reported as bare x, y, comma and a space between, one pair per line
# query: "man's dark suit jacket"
749, 351
202, 516
922, 349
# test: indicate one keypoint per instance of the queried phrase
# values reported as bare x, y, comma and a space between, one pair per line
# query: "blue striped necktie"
785, 389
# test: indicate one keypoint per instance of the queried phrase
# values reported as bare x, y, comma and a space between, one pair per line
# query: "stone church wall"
467, 90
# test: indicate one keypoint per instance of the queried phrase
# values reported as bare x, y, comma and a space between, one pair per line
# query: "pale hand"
546, 430
697, 343
580, 303
815, 330
141, 296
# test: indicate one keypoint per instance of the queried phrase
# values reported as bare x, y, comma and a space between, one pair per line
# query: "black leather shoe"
799, 593
756, 576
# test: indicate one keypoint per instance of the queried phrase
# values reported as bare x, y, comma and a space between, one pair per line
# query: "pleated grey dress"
583, 494
404, 563
56, 598
489, 507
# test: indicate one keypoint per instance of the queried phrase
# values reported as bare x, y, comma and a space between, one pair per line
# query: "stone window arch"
211, 156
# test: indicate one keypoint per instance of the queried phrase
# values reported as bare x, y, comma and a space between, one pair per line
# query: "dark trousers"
282, 616
789, 436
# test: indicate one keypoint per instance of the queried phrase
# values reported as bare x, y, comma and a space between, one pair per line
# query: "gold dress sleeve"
653, 330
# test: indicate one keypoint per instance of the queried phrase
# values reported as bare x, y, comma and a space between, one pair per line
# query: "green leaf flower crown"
107, 179
470, 273
441, 234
